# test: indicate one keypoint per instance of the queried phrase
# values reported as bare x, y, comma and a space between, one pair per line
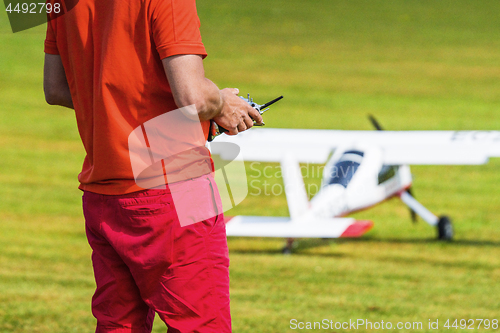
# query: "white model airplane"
363, 168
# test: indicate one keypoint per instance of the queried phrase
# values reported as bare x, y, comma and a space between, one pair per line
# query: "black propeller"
377, 126
375, 123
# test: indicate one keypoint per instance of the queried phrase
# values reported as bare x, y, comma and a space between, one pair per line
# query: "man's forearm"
189, 85
55, 84
186, 76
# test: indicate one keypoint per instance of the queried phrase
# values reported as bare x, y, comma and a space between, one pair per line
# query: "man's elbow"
50, 92
51, 98
59, 99
55, 96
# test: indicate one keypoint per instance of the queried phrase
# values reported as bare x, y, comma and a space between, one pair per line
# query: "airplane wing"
399, 147
284, 227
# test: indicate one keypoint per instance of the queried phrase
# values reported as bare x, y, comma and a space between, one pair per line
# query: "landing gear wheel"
445, 228
287, 250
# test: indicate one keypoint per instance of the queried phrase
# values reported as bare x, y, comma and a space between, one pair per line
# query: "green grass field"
415, 65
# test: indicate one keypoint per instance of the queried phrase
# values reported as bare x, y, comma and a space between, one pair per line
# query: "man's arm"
189, 85
55, 84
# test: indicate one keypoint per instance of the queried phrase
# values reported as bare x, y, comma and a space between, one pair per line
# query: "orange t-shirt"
111, 51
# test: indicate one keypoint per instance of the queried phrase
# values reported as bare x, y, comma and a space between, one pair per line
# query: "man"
120, 64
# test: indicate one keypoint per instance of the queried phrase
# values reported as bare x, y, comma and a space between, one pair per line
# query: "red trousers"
145, 262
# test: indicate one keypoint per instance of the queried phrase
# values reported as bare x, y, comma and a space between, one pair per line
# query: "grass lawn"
415, 65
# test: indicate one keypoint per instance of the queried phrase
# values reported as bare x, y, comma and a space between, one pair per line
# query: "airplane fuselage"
354, 179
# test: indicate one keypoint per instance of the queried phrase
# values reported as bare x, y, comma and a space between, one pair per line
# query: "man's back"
111, 52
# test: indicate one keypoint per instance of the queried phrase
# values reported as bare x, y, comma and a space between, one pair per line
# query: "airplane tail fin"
295, 190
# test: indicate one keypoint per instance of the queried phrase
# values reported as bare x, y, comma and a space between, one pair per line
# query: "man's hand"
236, 115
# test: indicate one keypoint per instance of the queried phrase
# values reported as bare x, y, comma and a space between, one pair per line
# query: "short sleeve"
50, 39
176, 28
